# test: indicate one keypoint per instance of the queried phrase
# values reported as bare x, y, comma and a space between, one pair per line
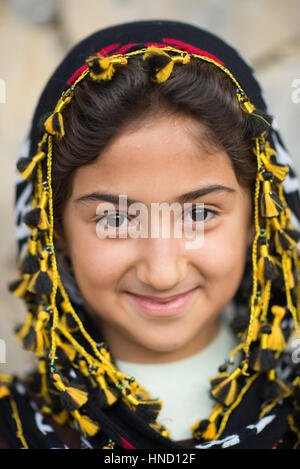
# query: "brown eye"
197, 215
113, 220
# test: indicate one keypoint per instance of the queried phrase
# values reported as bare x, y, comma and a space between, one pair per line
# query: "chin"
163, 346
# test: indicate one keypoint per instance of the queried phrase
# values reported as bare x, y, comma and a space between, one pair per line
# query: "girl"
131, 328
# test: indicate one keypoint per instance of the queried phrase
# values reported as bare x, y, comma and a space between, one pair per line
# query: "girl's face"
155, 163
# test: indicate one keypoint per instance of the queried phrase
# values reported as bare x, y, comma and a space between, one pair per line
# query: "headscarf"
77, 382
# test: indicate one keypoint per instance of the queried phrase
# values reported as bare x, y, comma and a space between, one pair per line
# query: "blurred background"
36, 34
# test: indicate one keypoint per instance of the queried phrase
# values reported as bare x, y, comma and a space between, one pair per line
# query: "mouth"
170, 306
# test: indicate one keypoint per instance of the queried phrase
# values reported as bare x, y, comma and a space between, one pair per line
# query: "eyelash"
119, 213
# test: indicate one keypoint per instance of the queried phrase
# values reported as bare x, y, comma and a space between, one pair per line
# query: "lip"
159, 307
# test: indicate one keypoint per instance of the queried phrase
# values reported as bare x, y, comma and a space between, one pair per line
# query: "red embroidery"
107, 49
124, 49
191, 49
77, 74
156, 44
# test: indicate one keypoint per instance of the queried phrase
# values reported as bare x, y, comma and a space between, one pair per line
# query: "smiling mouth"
156, 299
171, 306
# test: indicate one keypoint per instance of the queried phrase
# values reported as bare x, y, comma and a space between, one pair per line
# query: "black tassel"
103, 68
282, 240
27, 166
41, 282
266, 266
225, 387
274, 388
19, 287
69, 400
148, 411
262, 358
106, 398
270, 204
258, 122
30, 263
155, 63
37, 217
72, 396
54, 125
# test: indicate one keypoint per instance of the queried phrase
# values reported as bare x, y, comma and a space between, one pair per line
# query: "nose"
162, 264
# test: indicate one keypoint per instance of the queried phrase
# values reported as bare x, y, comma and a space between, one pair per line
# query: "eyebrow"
187, 197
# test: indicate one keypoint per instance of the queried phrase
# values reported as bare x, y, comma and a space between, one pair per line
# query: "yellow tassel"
67, 348
103, 68
207, 429
271, 206
4, 391
40, 155
78, 396
20, 287
162, 74
283, 241
110, 396
23, 331
41, 282
61, 417
42, 339
54, 125
226, 391
87, 426
279, 171
276, 340
266, 267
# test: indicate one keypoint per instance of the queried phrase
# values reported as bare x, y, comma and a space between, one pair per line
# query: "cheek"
98, 264
223, 255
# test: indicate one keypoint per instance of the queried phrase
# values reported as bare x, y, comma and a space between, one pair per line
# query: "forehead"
159, 157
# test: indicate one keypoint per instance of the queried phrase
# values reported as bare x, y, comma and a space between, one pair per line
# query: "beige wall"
267, 33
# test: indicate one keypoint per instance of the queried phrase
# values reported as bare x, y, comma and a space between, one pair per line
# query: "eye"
113, 220
198, 214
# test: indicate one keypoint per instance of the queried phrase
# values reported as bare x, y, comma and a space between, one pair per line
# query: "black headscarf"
252, 418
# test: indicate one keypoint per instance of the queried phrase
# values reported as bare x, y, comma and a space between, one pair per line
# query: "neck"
136, 353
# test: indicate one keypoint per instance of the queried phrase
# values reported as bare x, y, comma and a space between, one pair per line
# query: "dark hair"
98, 113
